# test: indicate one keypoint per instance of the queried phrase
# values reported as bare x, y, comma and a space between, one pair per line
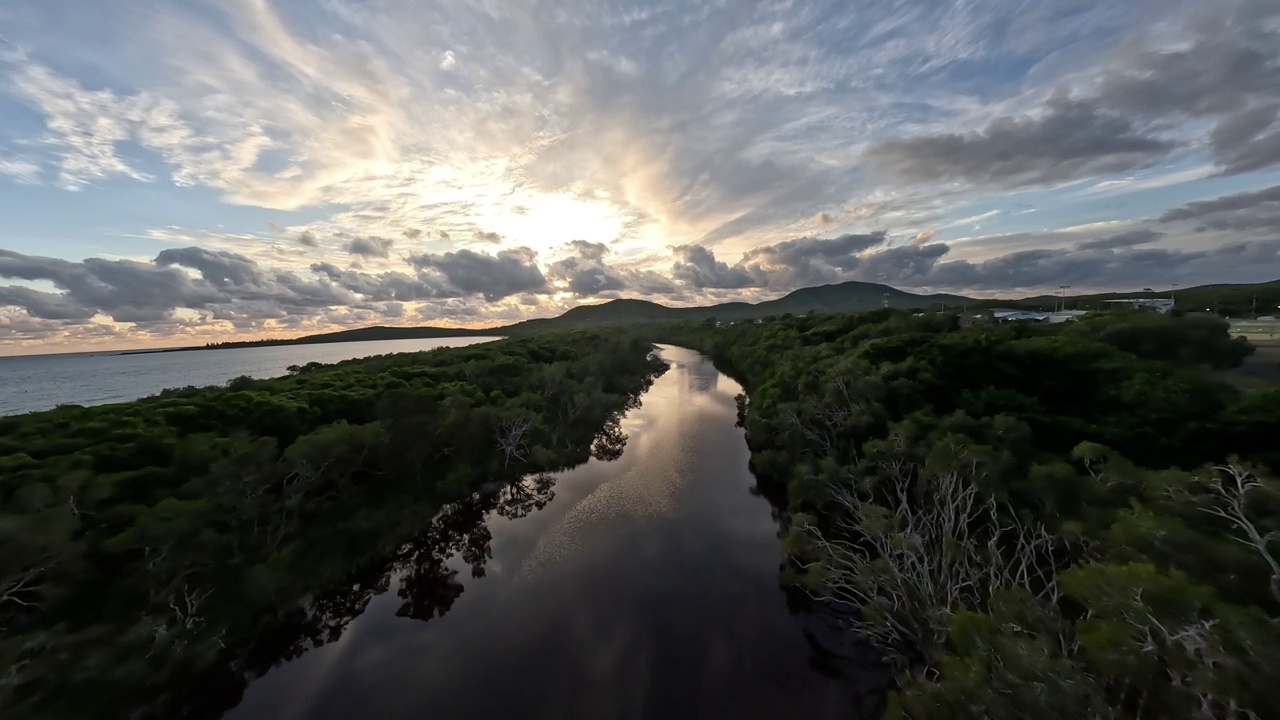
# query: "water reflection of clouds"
702, 377
646, 588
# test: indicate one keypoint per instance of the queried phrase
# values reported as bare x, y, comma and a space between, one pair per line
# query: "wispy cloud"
558, 152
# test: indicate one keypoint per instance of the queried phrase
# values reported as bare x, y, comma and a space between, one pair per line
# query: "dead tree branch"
927, 550
1229, 491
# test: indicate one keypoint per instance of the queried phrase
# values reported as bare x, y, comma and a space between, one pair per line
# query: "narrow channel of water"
646, 588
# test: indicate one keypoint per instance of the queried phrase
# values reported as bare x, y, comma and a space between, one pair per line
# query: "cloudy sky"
182, 171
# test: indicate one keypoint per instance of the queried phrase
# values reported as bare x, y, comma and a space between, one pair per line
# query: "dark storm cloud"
370, 247
1123, 240
509, 272
1242, 212
1070, 139
308, 239
587, 273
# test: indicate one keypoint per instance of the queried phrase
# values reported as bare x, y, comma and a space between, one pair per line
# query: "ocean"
42, 382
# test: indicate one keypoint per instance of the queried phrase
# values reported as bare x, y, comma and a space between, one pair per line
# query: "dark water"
647, 588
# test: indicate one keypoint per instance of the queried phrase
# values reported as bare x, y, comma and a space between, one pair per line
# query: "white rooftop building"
1162, 305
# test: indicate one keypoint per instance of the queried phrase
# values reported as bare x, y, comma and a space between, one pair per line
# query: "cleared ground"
1260, 370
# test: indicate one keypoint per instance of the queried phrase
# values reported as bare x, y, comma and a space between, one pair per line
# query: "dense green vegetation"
1054, 522
208, 532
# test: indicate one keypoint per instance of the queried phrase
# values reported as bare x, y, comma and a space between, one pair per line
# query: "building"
1008, 315
1062, 316
1161, 305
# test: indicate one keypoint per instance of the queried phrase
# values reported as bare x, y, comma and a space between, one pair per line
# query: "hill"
844, 297
851, 297
1226, 299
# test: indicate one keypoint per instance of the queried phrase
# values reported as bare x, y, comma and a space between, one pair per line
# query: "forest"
1065, 521
160, 553
1073, 521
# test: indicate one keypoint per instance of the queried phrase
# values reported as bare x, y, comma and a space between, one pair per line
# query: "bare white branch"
929, 549
20, 589
512, 439
1229, 495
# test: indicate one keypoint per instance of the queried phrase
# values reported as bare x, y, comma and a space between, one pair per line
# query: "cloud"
221, 269
698, 267
1031, 270
807, 261
1241, 212
370, 247
1147, 97
138, 292
1069, 139
386, 286
48, 306
718, 128
22, 171
493, 277
786, 265
1116, 262
586, 273
1123, 240
1240, 142
1225, 66
924, 237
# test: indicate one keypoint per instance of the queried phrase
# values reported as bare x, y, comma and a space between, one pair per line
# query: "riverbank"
151, 543
1044, 495
640, 584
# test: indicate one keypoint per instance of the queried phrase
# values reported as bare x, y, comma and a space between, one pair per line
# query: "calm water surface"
42, 382
647, 588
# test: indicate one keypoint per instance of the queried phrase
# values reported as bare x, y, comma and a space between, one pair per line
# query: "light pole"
1063, 290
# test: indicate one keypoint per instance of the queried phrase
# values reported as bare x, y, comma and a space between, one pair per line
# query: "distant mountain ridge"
843, 297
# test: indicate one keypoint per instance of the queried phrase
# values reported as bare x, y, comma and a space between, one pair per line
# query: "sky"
177, 172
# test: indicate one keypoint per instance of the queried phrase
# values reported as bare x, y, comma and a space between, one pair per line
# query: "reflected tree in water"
526, 495
424, 569
610, 441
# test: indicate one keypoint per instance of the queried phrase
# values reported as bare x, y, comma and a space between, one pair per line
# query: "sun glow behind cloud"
475, 162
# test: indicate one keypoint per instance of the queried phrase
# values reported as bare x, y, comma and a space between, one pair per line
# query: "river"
647, 587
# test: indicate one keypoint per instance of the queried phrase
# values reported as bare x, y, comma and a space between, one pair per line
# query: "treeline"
1053, 522
152, 545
